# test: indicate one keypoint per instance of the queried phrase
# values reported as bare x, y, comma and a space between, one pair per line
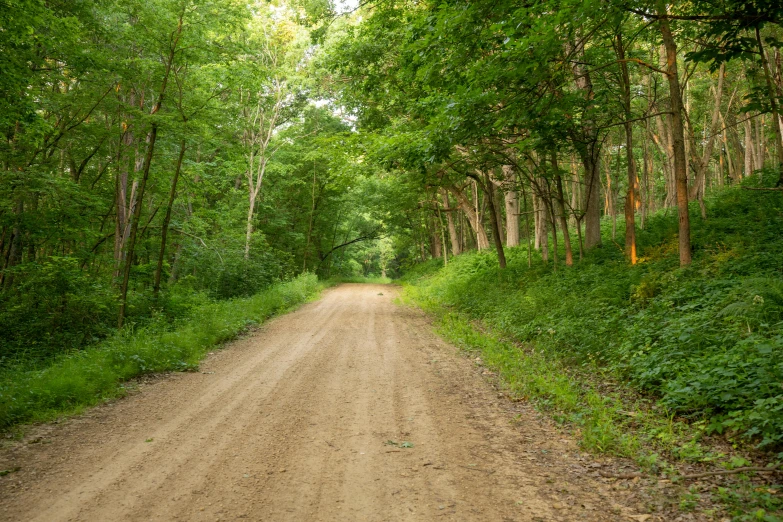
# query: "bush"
54, 305
227, 274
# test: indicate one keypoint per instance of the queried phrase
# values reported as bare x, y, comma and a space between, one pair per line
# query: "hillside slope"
704, 341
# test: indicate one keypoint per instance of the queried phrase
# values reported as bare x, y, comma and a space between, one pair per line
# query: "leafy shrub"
54, 305
227, 274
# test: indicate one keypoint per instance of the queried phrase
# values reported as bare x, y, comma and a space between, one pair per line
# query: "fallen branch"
732, 471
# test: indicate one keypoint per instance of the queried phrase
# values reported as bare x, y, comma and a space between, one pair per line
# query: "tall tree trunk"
497, 231
435, 236
453, 237
257, 138
166, 220
588, 145
749, 155
592, 204
123, 204
537, 229
251, 210
680, 164
442, 234
761, 144
774, 105
512, 208
549, 203
569, 255
527, 230
664, 142
645, 193
730, 171
633, 182
497, 197
576, 191
702, 163
541, 228
151, 138
135, 225
609, 194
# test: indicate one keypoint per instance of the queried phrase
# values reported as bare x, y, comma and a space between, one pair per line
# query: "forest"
601, 180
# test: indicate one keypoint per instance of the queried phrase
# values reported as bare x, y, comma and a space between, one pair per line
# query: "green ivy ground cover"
705, 341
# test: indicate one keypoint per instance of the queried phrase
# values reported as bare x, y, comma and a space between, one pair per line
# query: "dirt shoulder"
348, 409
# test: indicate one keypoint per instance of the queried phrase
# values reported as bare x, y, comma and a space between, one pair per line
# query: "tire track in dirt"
304, 420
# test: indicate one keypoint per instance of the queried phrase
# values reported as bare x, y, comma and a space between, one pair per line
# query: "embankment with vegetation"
699, 343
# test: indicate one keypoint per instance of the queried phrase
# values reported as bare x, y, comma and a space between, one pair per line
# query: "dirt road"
348, 409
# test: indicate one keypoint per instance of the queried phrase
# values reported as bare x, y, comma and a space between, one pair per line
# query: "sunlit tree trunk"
262, 123
633, 180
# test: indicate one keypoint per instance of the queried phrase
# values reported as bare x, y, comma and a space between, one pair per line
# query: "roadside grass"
608, 417
77, 380
600, 418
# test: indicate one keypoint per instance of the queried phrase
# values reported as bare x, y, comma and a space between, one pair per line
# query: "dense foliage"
702, 338
156, 155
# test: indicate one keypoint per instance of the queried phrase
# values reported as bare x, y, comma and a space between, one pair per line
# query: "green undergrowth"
651, 362
607, 417
84, 378
706, 340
